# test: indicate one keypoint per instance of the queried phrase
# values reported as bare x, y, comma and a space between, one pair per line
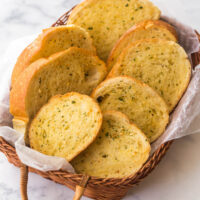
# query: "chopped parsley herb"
44, 135
127, 5
73, 102
107, 134
100, 99
90, 28
121, 98
40, 80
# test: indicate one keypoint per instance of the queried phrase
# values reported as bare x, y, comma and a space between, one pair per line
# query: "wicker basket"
96, 188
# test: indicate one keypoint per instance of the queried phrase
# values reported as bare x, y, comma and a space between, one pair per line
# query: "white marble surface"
178, 175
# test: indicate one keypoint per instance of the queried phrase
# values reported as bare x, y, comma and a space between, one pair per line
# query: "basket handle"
23, 181
24, 169
81, 188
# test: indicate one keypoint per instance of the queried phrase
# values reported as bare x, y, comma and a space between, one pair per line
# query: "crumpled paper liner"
183, 121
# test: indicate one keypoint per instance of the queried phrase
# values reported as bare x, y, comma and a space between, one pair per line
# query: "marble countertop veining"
178, 175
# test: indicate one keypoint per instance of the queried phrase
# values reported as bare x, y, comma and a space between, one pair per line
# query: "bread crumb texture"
149, 29
53, 40
138, 101
107, 20
119, 150
161, 64
66, 125
74, 69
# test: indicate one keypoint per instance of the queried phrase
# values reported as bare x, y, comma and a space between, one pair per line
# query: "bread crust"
121, 118
137, 27
58, 97
126, 119
138, 42
128, 78
21, 86
104, 48
35, 48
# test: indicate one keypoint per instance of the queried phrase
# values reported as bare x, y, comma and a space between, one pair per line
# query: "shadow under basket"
96, 188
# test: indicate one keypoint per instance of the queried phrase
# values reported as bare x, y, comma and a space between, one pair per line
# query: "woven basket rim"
70, 179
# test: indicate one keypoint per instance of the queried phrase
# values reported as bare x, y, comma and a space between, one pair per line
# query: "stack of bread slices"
100, 117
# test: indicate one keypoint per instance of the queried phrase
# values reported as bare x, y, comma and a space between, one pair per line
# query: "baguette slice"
138, 101
161, 64
144, 30
66, 125
51, 41
71, 70
120, 149
107, 20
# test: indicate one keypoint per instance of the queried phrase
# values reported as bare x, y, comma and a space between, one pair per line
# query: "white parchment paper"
185, 120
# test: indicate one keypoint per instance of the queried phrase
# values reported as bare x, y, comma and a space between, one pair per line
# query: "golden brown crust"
21, 86
25, 59
140, 26
128, 78
65, 96
154, 93
109, 167
106, 33
125, 117
114, 69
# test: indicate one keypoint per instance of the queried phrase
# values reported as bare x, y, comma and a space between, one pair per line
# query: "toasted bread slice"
119, 151
70, 70
161, 64
138, 101
51, 41
66, 125
144, 30
108, 20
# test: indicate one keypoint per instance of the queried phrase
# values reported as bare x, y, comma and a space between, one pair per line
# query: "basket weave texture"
97, 188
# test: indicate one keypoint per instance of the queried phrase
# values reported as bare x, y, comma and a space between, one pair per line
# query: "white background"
178, 175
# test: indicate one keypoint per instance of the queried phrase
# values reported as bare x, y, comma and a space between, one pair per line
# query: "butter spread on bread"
161, 64
50, 41
66, 125
108, 20
144, 30
74, 69
119, 150
138, 101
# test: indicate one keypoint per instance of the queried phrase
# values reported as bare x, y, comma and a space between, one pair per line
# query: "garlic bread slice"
50, 41
66, 125
143, 106
71, 70
163, 65
108, 20
149, 29
119, 151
